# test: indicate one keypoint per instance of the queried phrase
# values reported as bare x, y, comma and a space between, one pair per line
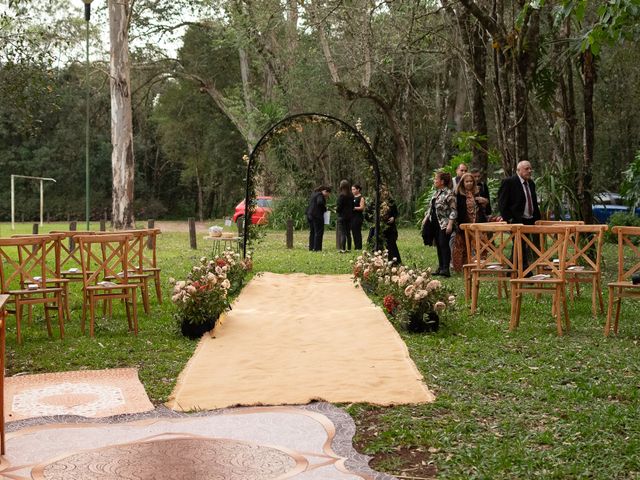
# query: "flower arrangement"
204, 294
409, 294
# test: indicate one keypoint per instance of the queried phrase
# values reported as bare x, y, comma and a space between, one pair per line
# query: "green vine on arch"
296, 123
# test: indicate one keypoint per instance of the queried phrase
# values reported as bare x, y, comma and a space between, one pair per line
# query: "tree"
122, 157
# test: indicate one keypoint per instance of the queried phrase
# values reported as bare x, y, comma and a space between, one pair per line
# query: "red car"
260, 214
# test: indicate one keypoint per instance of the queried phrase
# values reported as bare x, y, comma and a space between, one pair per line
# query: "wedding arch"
297, 122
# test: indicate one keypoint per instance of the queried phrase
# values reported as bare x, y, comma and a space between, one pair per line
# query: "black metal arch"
321, 118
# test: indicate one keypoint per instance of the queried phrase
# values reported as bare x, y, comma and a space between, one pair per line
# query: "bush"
286, 208
621, 219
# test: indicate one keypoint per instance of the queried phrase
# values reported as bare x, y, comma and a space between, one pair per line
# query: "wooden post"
151, 238
72, 228
192, 233
289, 233
34, 230
103, 225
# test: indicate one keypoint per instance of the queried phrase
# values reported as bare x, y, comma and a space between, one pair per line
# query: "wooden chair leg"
475, 290
618, 303
600, 297
19, 321
156, 281
84, 311
47, 319
144, 289
518, 307
607, 325
128, 305
60, 315
567, 322
29, 314
67, 311
512, 321
467, 286
558, 299
135, 312
92, 314
594, 296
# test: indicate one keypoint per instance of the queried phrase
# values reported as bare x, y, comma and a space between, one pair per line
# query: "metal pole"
42, 203
87, 16
13, 204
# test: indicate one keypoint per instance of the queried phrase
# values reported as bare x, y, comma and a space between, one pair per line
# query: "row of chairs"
37, 269
546, 258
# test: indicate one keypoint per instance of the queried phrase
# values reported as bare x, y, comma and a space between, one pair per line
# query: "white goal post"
13, 197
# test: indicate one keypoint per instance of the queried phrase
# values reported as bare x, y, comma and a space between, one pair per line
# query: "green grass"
526, 404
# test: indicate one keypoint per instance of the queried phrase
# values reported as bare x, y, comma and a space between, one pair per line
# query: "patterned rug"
311, 442
87, 393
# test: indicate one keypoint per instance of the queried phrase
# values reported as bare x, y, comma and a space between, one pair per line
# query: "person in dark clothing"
315, 217
438, 223
358, 216
389, 217
483, 198
518, 201
517, 197
344, 210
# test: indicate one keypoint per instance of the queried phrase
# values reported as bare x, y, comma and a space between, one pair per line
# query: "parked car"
606, 204
260, 216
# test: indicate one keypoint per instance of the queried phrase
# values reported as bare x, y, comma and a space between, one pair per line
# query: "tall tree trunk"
122, 159
584, 174
200, 196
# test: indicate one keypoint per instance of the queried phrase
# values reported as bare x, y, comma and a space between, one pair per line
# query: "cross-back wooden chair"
70, 262
494, 262
54, 278
23, 276
628, 266
547, 255
3, 317
584, 257
102, 257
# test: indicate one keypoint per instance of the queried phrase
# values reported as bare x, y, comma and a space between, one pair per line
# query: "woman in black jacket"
344, 210
315, 217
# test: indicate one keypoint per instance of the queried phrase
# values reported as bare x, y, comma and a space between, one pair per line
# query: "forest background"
489, 82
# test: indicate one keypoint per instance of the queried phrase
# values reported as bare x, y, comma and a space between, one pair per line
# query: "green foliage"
555, 190
289, 207
621, 219
630, 188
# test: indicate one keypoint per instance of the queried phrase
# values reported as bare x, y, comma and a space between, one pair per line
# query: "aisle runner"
87, 393
291, 339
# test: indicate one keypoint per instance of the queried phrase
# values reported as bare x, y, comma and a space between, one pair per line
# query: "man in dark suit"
518, 202
517, 198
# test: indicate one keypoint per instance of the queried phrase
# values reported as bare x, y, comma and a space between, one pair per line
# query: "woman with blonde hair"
468, 212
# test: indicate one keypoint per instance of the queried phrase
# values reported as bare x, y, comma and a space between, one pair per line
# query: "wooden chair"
23, 276
70, 263
54, 277
584, 256
493, 259
106, 256
628, 265
3, 316
550, 258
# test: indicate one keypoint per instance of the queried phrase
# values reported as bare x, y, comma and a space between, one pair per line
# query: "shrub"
621, 219
285, 208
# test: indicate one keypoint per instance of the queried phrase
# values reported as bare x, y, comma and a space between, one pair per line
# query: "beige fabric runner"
291, 339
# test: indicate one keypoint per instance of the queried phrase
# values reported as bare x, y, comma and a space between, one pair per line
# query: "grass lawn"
526, 404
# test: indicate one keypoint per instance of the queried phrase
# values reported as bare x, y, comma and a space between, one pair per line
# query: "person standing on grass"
437, 224
518, 201
389, 217
483, 198
315, 217
358, 216
344, 210
468, 210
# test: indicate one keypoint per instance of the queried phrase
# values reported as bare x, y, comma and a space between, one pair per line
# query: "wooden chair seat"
625, 284
33, 291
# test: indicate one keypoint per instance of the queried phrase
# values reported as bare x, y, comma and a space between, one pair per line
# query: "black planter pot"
419, 323
196, 330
